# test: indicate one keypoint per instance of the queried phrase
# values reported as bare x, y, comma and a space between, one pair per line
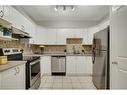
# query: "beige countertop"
11, 64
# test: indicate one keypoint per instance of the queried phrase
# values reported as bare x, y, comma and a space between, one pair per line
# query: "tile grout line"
44, 82
80, 84
53, 82
62, 82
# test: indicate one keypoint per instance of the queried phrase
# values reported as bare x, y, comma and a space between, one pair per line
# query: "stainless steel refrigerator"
100, 58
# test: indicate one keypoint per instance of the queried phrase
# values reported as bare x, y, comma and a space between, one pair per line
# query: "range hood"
19, 33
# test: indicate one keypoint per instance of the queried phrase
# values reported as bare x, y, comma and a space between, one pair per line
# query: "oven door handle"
34, 62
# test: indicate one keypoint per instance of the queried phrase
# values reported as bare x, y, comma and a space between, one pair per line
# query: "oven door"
35, 74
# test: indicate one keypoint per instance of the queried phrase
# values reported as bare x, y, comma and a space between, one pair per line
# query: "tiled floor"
66, 82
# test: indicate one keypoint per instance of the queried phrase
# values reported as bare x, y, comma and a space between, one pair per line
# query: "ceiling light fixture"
64, 8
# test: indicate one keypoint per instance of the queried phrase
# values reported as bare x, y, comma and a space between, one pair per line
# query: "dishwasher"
58, 65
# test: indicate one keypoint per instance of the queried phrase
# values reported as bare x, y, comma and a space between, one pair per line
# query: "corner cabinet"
13, 78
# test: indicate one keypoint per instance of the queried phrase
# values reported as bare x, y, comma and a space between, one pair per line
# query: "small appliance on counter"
33, 75
3, 60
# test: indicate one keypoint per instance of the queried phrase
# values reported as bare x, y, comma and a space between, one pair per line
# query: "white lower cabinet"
13, 78
89, 65
45, 65
70, 65
78, 65
75, 65
81, 64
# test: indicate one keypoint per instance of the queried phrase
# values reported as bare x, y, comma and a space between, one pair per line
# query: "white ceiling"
81, 17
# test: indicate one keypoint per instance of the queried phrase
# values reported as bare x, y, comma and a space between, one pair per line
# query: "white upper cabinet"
57, 36
73, 33
17, 19
90, 35
51, 36
21, 22
25, 25
32, 33
1, 9
61, 36
85, 36
40, 35
77, 33
7, 13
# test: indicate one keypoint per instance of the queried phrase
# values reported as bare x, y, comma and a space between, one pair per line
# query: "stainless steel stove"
33, 76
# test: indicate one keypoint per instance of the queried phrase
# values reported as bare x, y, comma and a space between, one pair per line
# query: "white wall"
99, 26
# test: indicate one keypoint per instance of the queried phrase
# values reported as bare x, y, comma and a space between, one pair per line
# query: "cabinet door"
89, 65
1, 11
70, 65
25, 24
61, 36
40, 37
13, 78
85, 36
16, 19
90, 35
77, 33
21, 77
9, 79
51, 37
7, 13
32, 33
46, 65
81, 63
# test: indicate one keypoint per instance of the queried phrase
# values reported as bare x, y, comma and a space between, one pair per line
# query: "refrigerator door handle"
93, 55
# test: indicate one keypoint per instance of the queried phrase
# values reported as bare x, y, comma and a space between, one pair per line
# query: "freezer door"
100, 69
101, 39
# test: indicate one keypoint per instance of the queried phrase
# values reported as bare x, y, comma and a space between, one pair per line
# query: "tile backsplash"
30, 49
16, 44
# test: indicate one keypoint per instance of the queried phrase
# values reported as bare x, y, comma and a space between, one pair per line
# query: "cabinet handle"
18, 70
22, 28
15, 71
1, 13
114, 62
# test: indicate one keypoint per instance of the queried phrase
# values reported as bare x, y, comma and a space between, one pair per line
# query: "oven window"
35, 69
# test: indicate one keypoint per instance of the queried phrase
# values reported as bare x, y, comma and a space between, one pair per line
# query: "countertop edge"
41, 55
10, 65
